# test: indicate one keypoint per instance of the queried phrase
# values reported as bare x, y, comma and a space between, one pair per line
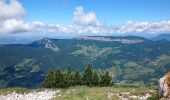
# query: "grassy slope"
99, 93
84, 93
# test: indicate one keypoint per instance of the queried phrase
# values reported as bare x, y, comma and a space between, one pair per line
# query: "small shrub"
154, 97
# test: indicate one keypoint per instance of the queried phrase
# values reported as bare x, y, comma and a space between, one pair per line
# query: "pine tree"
88, 76
48, 82
105, 79
95, 81
58, 79
69, 69
68, 77
108, 78
77, 78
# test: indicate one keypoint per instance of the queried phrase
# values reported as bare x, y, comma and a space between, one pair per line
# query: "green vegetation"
137, 63
92, 52
24, 67
20, 90
91, 93
21, 74
101, 93
154, 97
90, 77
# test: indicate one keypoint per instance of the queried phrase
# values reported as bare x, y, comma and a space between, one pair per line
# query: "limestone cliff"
164, 86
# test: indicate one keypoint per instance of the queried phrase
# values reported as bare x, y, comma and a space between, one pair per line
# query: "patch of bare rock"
164, 87
40, 95
127, 96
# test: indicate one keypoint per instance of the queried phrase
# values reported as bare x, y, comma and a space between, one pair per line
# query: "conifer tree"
58, 79
48, 82
68, 77
105, 79
77, 78
88, 76
95, 81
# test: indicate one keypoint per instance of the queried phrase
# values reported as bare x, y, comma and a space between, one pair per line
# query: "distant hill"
128, 59
18, 39
161, 37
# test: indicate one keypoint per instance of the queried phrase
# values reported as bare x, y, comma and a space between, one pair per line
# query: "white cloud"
81, 18
11, 21
13, 9
10, 26
144, 27
51, 28
14, 26
11, 15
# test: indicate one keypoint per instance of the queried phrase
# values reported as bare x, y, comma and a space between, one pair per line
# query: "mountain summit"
46, 43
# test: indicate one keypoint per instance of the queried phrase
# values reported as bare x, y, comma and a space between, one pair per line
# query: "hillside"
132, 60
161, 37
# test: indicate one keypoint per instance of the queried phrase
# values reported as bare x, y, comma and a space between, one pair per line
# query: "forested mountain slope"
129, 59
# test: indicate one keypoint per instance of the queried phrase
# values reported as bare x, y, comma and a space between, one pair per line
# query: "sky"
84, 17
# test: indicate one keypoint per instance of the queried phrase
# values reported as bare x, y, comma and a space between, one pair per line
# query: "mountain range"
129, 59
16, 39
161, 37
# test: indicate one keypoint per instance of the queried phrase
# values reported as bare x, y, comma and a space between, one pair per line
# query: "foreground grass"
100, 93
19, 90
88, 93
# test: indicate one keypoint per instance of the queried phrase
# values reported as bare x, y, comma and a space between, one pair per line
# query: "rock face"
164, 86
47, 43
108, 39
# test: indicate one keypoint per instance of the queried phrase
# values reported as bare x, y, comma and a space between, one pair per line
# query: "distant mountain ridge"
122, 39
28, 40
161, 37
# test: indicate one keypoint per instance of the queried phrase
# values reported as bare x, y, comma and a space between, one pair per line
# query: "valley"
129, 62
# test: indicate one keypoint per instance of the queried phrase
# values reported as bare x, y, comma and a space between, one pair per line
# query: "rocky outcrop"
108, 39
45, 43
127, 96
164, 86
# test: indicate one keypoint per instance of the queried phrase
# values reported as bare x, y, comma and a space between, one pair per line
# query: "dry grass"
87, 93
99, 93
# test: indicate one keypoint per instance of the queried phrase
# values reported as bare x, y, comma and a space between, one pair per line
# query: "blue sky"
84, 17
107, 11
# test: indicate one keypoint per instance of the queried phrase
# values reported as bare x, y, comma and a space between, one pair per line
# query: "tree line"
89, 77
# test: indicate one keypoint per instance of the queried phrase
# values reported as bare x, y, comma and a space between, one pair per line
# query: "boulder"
164, 86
